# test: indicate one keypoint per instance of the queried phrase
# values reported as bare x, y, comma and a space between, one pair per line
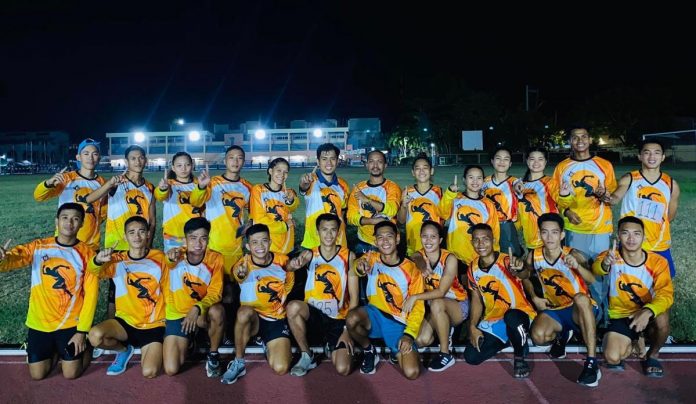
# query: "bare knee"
150, 372
293, 308
244, 314
216, 314
411, 372
343, 369
37, 375
423, 341
581, 300
353, 319
539, 336
95, 336
72, 374
170, 368
437, 306
279, 367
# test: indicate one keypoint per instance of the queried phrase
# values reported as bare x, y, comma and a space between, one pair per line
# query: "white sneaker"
97, 352
304, 365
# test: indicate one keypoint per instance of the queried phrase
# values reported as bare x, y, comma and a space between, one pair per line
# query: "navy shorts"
667, 254
173, 327
623, 326
384, 326
141, 337
564, 317
273, 329
42, 345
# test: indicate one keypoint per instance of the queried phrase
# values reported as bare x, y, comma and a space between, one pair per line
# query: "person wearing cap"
74, 186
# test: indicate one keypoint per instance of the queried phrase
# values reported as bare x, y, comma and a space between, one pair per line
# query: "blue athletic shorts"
668, 256
384, 326
564, 317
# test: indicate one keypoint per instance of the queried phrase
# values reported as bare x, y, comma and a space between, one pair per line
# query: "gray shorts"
589, 244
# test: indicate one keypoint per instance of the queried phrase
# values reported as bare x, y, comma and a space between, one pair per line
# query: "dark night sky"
91, 69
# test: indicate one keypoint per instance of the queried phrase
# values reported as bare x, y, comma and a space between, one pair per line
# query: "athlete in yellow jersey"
391, 280
226, 198
193, 294
498, 188
419, 203
140, 275
465, 210
446, 297
652, 196
330, 291
174, 191
565, 306
129, 195
640, 296
265, 279
585, 185
535, 196
74, 186
324, 192
63, 295
272, 204
372, 201
500, 312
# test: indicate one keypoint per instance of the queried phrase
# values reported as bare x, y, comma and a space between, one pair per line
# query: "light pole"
432, 154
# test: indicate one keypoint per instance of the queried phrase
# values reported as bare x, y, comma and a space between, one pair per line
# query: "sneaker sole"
110, 373
300, 373
242, 373
374, 369
447, 366
596, 382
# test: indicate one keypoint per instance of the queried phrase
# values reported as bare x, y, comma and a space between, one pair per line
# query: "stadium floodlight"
425, 129
317, 132
139, 137
490, 128
194, 136
180, 121
260, 134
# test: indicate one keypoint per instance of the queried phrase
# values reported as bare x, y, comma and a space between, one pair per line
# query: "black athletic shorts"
272, 329
328, 328
111, 299
622, 326
42, 345
139, 338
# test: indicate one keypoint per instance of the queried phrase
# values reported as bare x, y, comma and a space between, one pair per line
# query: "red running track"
551, 381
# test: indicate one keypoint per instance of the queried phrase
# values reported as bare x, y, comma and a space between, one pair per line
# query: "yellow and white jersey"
632, 288
432, 282
265, 288
268, 207
327, 283
422, 207
388, 193
324, 197
499, 289
463, 214
63, 293
75, 188
189, 285
649, 201
125, 201
388, 287
225, 202
585, 176
537, 198
140, 285
177, 211
559, 282
503, 197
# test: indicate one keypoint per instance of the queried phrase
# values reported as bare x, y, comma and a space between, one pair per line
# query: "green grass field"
23, 220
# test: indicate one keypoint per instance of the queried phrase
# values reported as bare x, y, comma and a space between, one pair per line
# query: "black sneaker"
590, 374
558, 347
520, 368
369, 362
440, 362
393, 358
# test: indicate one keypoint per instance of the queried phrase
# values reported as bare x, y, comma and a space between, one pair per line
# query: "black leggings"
517, 324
